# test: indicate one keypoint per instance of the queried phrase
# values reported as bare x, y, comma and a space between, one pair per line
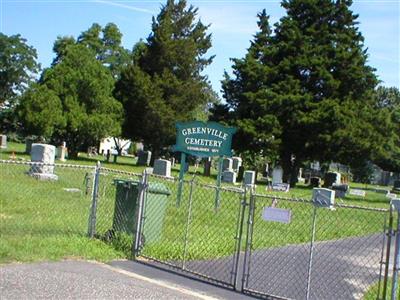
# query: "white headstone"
227, 164
229, 176
236, 163
277, 175
323, 197
356, 192
162, 167
281, 187
61, 153
3, 141
43, 153
249, 177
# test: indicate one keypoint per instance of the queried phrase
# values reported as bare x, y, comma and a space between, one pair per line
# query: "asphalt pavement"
91, 280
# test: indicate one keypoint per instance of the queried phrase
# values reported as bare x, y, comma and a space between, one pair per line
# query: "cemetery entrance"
264, 245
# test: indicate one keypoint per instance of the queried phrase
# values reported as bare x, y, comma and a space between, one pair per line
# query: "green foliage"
74, 101
18, 66
106, 43
164, 83
387, 123
306, 91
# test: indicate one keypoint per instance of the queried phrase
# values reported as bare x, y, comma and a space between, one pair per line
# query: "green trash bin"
125, 213
155, 208
126, 195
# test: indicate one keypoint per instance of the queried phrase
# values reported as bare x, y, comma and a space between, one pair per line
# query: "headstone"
162, 167
28, 145
331, 178
265, 170
43, 153
340, 190
323, 197
227, 164
277, 175
144, 158
236, 163
356, 192
249, 178
240, 174
3, 141
172, 160
229, 176
381, 191
186, 167
396, 185
207, 166
391, 196
315, 166
61, 153
281, 187
315, 182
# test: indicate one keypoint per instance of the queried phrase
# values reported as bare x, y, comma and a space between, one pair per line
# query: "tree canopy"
304, 91
73, 102
164, 83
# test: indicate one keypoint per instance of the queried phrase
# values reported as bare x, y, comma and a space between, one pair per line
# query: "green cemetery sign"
204, 139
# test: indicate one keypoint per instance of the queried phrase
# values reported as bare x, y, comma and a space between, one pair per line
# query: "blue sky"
233, 23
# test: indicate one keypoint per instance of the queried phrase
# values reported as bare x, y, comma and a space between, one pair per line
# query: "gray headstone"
144, 158
207, 166
229, 176
227, 164
277, 175
249, 177
236, 163
396, 185
265, 170
240, 174
340, 190
3, 141
162, 167
172, 160
28, 145
323, 197
43, 153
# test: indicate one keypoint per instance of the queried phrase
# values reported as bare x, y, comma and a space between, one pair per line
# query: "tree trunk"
290, 170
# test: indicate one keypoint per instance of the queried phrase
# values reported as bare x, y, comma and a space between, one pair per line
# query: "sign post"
181, 173
202, 140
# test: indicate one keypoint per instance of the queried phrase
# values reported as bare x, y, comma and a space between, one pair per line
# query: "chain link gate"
198, 235
321, 253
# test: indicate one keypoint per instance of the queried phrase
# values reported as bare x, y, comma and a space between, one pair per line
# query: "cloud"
134, 8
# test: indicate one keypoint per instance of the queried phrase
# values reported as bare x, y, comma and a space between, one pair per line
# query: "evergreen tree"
165, 83
73, 102
316, 89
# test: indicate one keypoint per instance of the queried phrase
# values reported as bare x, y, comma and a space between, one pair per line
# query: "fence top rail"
36, 163
120, 171
222, 188
292, 199
335, 205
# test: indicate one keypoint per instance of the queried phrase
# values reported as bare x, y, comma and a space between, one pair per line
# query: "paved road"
341, 269
83, 280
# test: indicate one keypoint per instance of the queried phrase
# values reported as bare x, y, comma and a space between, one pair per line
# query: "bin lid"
158, 188
154, 187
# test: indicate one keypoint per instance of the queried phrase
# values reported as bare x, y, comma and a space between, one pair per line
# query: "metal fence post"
95, 195
188, 220
249, 241
396, 263
139, 216
311, 253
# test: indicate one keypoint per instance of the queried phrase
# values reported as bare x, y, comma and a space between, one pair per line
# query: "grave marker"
162, 167
43, 153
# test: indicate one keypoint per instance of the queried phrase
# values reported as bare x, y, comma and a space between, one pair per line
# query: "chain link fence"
220, 235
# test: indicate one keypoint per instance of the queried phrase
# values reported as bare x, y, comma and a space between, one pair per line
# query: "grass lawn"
41, 220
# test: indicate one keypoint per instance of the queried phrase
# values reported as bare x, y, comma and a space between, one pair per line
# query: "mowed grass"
40, 220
